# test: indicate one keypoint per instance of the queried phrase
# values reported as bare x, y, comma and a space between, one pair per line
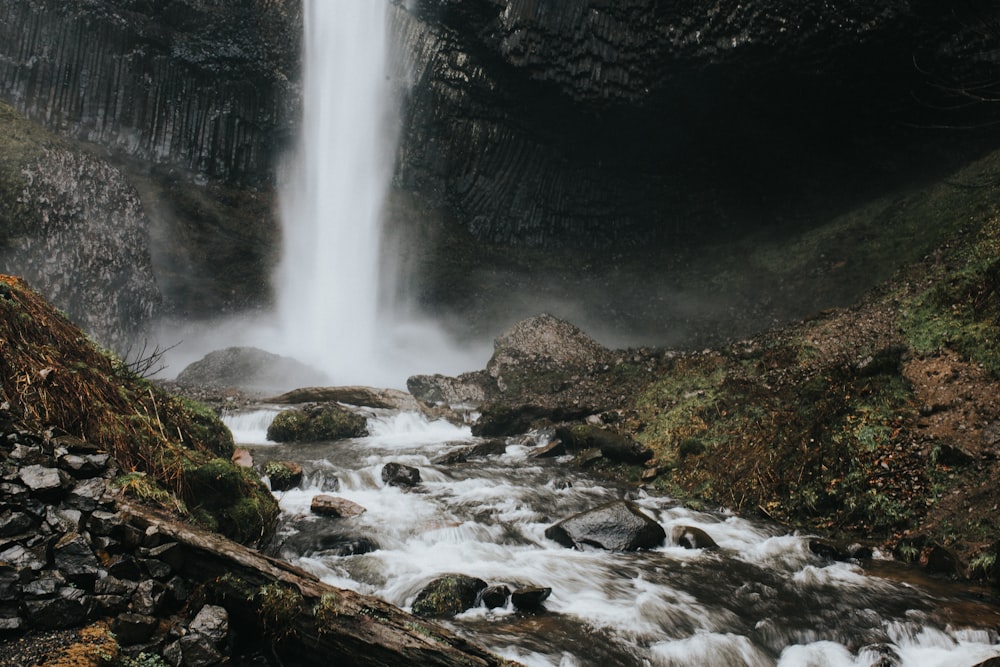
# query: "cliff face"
198, 84
583, 123
570, 126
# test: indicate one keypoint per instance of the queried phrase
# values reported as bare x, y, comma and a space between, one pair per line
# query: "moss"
234, 499
960, 312
328, 422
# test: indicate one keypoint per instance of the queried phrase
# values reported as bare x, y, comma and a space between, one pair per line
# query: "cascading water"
328, 285
762, 599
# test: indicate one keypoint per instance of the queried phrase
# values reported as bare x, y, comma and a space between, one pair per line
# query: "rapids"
762, 599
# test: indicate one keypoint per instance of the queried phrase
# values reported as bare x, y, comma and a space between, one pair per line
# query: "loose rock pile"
67, 557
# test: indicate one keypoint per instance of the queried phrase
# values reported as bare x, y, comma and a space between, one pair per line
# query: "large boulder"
541, 354
364, 397
248, 368
316, 423
616, 526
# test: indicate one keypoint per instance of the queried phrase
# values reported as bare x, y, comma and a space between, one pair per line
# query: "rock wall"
583, 123
198, 84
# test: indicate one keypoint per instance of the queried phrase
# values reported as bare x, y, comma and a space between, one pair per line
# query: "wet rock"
105, 523
448, 595
508, 419
365, 397
616, 526
242, 457
530, 598
316, 423
493, 597
466, 389
283, 475
398, 474
13, 522
198, 651
493, 447
553, 449
937, 559
332, 506
691, 537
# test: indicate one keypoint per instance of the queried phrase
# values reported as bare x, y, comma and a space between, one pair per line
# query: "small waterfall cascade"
329, 282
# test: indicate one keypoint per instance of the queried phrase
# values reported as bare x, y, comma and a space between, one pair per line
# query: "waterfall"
329, 283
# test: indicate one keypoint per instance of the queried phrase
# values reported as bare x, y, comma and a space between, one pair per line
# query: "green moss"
328, 422
232, 498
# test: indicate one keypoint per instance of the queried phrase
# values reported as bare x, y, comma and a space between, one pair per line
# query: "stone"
530, 598
13, 522
691, 537
493, 597
81, 467
398, 474
448, 595
89, 494
74, 557
171, 553
44, 482
283, 475
316, 424
132, 628
249, 368
105, 523
332, 506
616, 526
148, 597
212, 621
198, 651
72, 607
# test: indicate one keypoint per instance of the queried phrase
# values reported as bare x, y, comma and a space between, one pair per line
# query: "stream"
763, 598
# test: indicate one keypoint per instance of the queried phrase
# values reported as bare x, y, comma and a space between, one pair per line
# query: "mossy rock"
326, 422
448, 595
231, 499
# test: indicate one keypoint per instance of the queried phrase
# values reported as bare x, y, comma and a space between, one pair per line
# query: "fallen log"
307, 621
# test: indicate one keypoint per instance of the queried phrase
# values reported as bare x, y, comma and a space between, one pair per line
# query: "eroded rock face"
197, 85
85, 244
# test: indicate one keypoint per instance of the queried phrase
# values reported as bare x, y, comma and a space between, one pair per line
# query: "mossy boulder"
316, 423
448, 595
231, 499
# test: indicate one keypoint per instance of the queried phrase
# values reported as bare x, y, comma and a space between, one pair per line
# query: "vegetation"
325, 422
170, 451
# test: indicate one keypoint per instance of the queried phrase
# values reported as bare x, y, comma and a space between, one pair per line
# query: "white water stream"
763, 599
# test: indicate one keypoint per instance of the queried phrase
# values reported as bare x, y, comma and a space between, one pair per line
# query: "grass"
54, 375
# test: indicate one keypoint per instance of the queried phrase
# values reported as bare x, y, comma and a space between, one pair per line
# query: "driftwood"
310, 622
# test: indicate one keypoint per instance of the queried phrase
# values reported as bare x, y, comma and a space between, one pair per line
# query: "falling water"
329, 281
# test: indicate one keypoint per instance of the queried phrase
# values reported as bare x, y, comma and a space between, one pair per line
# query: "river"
763, 598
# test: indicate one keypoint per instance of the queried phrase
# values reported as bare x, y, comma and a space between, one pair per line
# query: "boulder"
398, 474
493, 447
448, 595
496, 596
466, 389
365, 397
616, 526
316, 423
248, 368
283, 475
690, 537
530, 598
332, 506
